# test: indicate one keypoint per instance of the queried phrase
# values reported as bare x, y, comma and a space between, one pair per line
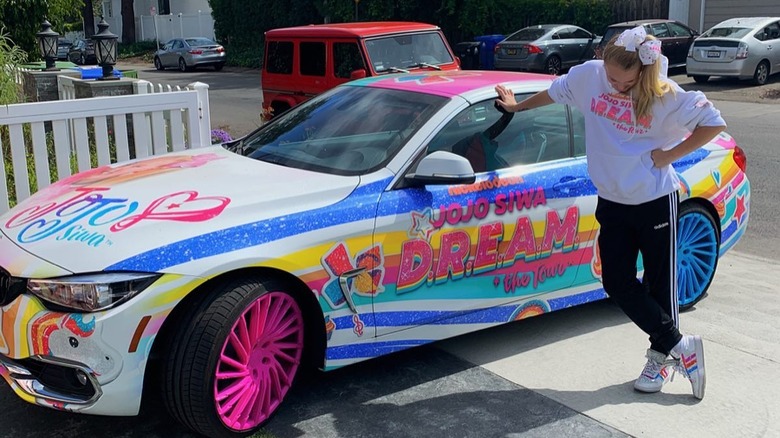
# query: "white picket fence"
157, 123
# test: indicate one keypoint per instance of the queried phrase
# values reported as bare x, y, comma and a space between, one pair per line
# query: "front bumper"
58, 382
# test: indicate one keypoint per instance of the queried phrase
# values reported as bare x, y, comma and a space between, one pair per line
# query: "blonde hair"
650, 85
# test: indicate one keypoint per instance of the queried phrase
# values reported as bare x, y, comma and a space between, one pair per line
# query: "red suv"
303, 61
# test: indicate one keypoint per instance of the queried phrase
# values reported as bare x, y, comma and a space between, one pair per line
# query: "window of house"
346, 59
279, 57
163, 7
491, 140
312, 59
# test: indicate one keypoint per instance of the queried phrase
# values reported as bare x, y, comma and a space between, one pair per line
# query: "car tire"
82, 59
761, 74
158, 64
218, 67
698, 247
183, 65
701, 79
553, 65
246, 335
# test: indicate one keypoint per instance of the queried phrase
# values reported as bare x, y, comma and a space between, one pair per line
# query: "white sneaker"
690, 349
655, 373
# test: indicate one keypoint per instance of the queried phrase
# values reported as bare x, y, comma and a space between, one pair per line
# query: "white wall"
195, 19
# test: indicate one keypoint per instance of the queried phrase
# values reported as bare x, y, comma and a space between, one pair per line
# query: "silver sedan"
746, 48
188, 53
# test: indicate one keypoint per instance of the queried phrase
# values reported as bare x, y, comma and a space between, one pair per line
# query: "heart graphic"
184, 206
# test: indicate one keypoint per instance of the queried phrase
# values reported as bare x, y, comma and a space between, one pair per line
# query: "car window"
660, 30
727, 32
580, 33
178, 44
312, 59
562, 34
407, 51
349, 130
199, 42
770, 32
611, 32
491, 140
527, 34
346, 59
679, 30
279, 57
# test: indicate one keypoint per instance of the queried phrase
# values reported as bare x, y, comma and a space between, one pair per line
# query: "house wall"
187, 18
716, 11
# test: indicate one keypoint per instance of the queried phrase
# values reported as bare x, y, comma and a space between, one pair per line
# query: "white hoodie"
618, 146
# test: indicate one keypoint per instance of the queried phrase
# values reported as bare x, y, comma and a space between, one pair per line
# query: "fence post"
141, 87
204, 114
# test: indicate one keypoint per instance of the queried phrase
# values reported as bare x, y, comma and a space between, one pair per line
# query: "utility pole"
356, 9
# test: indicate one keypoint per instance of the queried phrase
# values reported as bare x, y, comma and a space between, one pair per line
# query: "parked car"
303, 61
676, 38
745, 48
548, 48
82, 52
63, 47
188, 53
386, 213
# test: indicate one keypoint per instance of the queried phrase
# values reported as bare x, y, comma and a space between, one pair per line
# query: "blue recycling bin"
94, 72
488, 45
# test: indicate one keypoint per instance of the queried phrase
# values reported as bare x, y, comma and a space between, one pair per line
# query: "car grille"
10, 287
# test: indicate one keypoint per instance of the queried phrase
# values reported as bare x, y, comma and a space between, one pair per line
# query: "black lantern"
47, 42
105, 50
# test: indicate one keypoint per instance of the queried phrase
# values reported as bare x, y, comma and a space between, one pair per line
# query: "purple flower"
220, 136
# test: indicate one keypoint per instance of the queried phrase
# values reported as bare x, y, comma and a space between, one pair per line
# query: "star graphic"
421, 225
741, 210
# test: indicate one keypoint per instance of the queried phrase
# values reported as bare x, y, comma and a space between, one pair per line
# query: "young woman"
635, 117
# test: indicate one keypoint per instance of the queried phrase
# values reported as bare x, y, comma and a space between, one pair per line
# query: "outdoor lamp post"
47, 42
105, 50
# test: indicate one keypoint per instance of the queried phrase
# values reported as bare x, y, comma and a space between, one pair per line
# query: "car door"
471, 254
669, 46
683, 38
566, 47
772, 43
169, 57
583, 42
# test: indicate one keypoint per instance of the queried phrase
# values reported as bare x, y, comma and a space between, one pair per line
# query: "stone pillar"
97, 88
40, 86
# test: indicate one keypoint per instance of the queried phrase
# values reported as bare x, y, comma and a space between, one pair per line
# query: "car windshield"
727, 32
197, 42
394, 53
350, 130
528, 34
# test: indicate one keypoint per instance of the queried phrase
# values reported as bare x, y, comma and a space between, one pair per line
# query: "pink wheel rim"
258, 361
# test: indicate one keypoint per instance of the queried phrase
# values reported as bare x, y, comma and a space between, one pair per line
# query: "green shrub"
141, 48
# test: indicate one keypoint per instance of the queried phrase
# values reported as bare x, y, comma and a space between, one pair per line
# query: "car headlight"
91, 292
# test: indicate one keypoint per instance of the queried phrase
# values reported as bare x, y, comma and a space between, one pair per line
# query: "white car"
745, 48
383, 214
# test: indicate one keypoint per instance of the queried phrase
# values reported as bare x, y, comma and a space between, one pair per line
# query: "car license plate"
713, 54
511, 51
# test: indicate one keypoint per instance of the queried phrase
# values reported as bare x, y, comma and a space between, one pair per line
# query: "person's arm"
506, 99
700, 136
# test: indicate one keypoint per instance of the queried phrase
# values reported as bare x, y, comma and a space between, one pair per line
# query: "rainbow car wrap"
373, 266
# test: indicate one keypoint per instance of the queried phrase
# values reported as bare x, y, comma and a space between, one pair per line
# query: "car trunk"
715, 50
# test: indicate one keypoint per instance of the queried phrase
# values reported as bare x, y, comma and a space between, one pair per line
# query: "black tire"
761, 74
158, 64
553, 65
195, 348
82, 59
183, 65
218, 67
701, 79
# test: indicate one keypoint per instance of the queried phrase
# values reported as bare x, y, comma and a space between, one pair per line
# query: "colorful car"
383, 214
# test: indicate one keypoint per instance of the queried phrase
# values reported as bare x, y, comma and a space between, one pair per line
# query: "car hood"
92, 220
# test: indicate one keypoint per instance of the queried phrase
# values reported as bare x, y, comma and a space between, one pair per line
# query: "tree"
88, 14
23, 18
128, 21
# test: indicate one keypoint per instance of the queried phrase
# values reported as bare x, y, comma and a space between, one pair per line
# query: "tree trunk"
128, 21
88, 13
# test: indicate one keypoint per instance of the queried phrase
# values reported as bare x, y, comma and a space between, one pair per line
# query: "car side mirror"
442, 167
357, 74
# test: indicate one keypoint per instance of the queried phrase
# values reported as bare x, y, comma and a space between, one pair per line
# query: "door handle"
569, 183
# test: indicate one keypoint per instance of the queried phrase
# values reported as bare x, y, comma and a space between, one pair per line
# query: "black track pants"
649, 228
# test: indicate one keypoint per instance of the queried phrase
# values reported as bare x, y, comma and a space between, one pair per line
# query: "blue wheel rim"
697, 256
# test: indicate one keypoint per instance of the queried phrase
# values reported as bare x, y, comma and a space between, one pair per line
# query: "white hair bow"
633, 39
